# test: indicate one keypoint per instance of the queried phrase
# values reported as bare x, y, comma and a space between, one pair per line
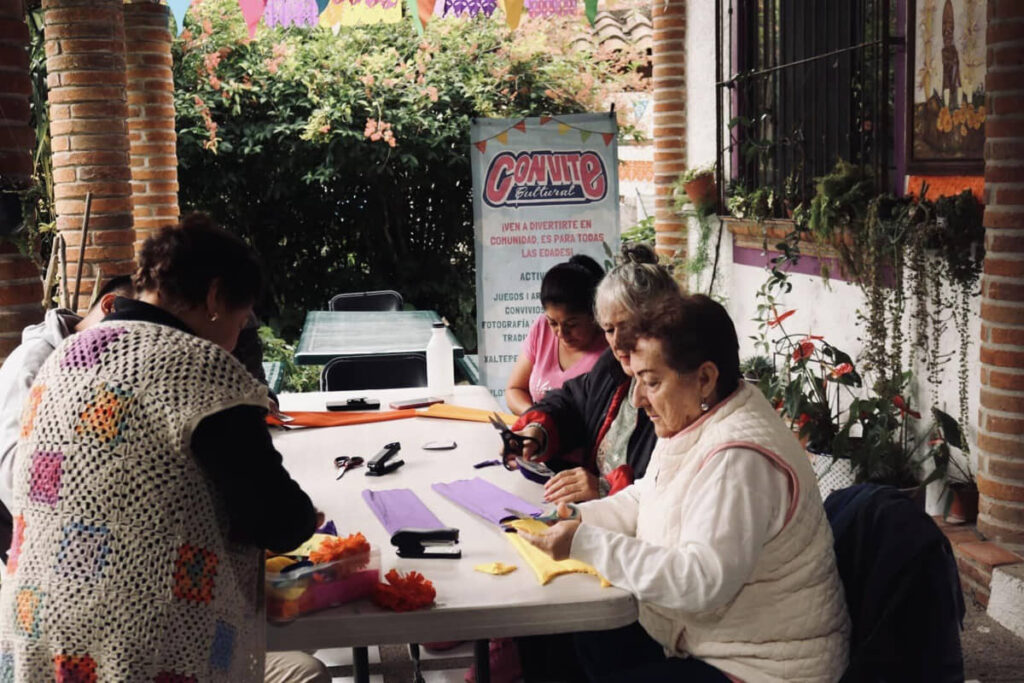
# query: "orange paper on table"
449, 412
332, 419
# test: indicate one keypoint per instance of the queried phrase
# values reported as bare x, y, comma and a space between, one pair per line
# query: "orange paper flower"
404, 593
336, 548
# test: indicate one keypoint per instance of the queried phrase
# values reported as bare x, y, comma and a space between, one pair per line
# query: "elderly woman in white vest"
146, 486
724, 541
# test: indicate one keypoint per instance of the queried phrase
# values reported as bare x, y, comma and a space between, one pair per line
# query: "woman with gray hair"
589, 429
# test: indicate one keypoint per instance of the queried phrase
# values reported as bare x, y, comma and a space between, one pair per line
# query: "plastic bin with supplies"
307, 589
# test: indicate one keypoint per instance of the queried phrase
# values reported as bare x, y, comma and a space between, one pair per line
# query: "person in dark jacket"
589, 429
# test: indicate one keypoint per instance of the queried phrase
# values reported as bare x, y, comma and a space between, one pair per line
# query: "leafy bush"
344, 160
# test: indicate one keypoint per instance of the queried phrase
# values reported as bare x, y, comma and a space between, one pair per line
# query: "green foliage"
691, 174
643, 231
296, 377
344, 159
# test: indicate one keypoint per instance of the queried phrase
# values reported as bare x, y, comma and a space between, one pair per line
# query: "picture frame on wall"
946, 87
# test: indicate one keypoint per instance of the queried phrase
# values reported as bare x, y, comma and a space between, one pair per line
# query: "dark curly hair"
182, 261
572, 284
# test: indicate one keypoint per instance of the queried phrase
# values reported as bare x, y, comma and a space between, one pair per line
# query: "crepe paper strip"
590, 10
333, 548
328, 528
482, 146
309, 545
496, 568
252, 10
331, 419
404, 593
483, 498
178, 9
426, 11
513, 13
608, 137
521, 126
450, 412
400, 509
540, 562
414, 16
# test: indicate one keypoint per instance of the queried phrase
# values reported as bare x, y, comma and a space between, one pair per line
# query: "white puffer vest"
789, 621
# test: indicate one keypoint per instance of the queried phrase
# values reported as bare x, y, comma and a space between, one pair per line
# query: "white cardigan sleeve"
741, 500
616, 512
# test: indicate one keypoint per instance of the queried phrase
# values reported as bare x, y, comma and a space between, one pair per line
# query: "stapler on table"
378, 465
427, 543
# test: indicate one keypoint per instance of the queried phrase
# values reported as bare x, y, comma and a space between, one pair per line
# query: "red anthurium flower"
775, 322
842, 369
803, 350
902, 405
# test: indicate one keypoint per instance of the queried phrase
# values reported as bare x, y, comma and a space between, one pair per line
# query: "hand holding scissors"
513, 444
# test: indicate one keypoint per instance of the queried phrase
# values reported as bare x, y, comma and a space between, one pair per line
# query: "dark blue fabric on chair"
350, 373
902, 588
381, 300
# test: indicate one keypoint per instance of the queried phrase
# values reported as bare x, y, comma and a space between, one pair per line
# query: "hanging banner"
361, 12
544, 189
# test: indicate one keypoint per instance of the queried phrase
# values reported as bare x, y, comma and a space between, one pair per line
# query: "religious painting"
946, 86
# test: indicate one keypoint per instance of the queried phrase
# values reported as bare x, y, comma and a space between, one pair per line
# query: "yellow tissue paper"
543, 566
310, 545
496, 568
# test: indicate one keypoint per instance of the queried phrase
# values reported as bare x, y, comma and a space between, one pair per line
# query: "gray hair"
636, 281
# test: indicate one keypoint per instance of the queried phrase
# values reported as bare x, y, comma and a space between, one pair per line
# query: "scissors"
345, 463
513, 443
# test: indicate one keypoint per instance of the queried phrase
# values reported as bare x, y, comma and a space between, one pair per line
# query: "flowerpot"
832, 473
701, 190
963, 509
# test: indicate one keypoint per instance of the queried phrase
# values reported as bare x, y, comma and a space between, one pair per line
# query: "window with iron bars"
800, 85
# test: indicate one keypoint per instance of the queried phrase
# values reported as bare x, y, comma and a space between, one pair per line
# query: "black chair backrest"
382, 300
374, 372
901, 585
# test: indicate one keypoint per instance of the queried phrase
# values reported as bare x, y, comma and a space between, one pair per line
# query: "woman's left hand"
557, 541
571, 486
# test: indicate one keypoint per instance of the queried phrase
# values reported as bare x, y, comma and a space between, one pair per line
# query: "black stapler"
427, 543
378, 465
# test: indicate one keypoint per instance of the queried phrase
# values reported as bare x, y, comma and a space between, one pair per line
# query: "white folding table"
470, 605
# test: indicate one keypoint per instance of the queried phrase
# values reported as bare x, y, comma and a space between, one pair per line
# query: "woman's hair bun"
637, 252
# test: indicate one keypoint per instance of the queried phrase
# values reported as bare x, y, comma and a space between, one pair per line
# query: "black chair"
382, 300
374, 372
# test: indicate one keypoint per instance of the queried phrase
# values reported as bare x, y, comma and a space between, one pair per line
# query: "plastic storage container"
308, 589
440, 362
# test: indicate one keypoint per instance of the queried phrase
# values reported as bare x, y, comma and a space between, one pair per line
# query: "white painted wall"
825, 309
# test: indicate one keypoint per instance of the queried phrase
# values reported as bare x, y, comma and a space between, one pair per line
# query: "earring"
213, 318
704, 407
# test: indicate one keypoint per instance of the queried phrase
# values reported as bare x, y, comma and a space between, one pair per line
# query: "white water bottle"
440, 363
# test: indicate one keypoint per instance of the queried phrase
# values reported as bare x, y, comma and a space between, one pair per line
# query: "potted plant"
699, 185
949, 453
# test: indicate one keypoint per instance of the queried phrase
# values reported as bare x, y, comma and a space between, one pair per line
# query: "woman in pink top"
564, 342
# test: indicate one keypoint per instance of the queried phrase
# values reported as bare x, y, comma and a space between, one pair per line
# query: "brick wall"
20, 287
1001, 416
669, 17
85, 61
154, 161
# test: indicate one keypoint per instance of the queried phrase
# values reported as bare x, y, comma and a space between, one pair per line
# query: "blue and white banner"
544, 189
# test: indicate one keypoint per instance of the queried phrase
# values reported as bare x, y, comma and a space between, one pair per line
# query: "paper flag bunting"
178, 9
321, 5
426, 10
513, 13
584, 135
291, 13
414, 13
252, 10
544, 119
360, 13
608, 137
590, 10
562, 128
551, 8
469, 8
482, 146
521, 126
502, 137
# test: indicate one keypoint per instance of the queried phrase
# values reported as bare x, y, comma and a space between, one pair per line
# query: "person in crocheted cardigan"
142, 485
724, 542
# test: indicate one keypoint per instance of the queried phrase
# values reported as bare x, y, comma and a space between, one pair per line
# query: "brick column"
669, 121
88, 124
20, 287
151, 133
1001, 417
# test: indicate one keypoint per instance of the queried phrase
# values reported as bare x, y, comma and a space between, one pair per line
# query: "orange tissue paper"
404, 593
